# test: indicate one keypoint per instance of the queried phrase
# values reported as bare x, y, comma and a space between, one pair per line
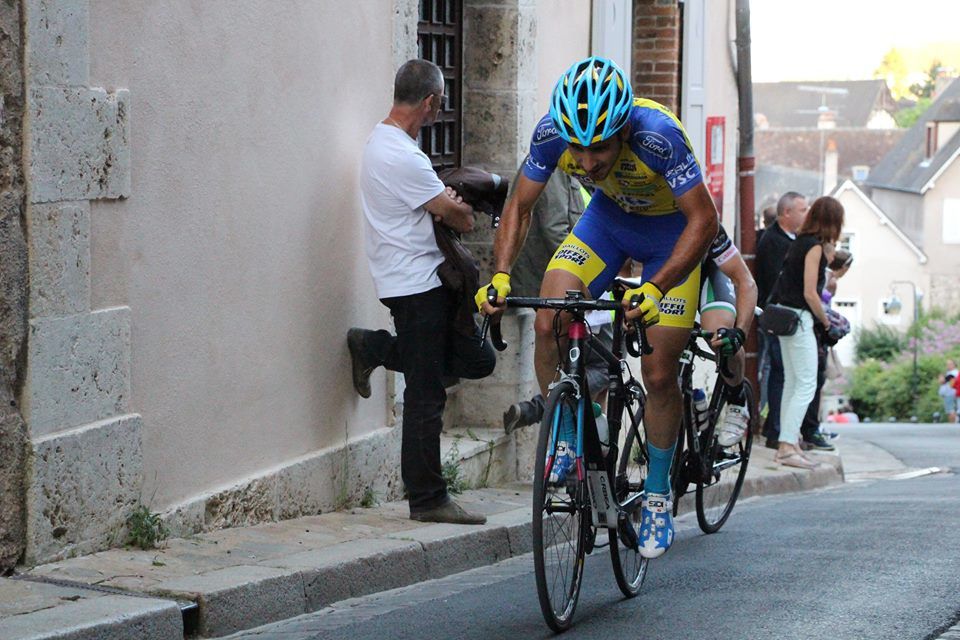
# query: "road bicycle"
716, 471
604, 489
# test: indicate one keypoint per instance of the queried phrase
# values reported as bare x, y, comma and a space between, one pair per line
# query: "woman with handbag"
798, 289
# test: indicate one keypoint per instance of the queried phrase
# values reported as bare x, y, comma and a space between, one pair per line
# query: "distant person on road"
949, 396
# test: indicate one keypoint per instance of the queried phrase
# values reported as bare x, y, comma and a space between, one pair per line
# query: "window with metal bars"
440, 38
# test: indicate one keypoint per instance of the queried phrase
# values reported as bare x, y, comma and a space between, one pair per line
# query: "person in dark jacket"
771, 252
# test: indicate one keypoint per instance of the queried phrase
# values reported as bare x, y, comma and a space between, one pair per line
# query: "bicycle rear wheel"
629, 567
717, 494
560, 522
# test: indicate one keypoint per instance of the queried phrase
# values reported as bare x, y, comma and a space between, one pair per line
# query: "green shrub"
879, 390
880, 343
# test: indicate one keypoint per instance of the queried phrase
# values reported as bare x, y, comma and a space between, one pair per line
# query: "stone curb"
268, 589
108, 618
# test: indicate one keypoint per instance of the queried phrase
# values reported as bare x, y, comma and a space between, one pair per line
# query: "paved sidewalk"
245, 577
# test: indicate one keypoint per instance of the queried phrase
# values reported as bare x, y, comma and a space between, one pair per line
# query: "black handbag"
777, 320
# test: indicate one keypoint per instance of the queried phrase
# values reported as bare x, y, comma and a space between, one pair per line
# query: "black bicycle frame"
695, 438
597, 469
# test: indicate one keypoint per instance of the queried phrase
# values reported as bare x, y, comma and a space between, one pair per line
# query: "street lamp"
893, 306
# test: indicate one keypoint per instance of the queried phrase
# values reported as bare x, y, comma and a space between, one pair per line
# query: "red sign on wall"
713, 163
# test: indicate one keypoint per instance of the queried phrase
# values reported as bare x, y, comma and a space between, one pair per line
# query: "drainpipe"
746, 163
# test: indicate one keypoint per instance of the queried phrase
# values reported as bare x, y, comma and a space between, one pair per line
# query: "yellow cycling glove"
650, 297
500, 282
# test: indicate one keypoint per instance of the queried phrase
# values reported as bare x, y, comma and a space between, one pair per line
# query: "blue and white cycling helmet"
591, 101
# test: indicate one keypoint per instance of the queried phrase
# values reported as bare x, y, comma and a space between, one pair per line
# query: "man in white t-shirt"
401, 197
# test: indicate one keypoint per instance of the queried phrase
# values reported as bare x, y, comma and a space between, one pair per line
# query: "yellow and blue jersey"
653, 169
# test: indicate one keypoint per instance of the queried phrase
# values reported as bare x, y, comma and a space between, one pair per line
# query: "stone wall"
656, 51
13, 286
500, 111
85, 471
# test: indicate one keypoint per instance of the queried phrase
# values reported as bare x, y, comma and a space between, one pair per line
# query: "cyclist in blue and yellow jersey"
649, 203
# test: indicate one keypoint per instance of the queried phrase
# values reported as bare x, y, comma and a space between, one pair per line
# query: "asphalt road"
877, 559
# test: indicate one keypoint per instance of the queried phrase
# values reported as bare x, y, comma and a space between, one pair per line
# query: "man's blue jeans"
774, 385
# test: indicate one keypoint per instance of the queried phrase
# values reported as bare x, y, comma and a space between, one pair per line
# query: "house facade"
884, 259
918, 186
192, 254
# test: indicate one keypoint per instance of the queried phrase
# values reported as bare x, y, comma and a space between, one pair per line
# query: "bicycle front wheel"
560, 520
717, 493
629, 567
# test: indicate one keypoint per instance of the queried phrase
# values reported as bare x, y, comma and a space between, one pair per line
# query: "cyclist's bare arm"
702, 221
745, 288
451, 210
515, 222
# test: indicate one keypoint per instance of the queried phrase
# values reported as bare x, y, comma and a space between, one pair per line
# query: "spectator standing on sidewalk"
401, 197
771, 252
811, 436
799, 288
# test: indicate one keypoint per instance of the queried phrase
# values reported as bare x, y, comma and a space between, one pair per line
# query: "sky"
842, 39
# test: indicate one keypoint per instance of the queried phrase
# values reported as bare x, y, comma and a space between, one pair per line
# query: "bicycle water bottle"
566, 455
603, 429
700, 408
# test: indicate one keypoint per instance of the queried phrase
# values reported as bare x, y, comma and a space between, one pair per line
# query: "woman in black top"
799, 287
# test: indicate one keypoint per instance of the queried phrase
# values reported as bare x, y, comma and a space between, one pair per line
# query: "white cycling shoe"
735, 424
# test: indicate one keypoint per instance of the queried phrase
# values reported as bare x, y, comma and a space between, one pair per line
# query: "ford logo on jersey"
546, 131
654, 143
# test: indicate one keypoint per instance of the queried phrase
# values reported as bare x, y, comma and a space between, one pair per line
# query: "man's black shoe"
818, 442
518, 415
451, 513
772, 443
361, 368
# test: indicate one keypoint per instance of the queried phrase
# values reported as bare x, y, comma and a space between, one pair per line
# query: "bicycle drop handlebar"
636, 346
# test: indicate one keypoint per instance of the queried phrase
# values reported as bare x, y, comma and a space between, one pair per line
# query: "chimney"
830, 162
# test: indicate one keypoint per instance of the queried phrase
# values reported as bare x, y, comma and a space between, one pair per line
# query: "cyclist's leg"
587, 261
718, 310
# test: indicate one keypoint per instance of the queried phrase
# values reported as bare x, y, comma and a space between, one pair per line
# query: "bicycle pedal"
627, 533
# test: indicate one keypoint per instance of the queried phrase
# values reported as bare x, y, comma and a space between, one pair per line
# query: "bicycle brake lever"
496, 337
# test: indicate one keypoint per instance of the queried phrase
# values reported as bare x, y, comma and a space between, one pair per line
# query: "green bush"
879, 390
880, 343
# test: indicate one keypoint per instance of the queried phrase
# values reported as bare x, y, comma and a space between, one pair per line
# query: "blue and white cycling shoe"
656, 524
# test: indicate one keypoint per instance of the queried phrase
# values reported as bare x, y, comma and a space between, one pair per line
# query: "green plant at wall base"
145, 530
369, 499
451, 472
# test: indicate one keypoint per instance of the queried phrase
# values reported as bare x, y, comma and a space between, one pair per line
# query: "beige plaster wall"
563, 36
239, 251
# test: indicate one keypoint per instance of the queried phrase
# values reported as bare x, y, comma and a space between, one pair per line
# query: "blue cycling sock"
658, 477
